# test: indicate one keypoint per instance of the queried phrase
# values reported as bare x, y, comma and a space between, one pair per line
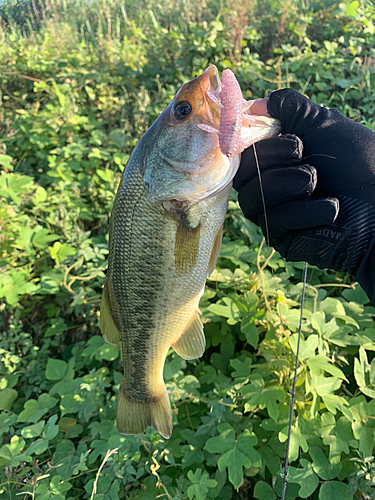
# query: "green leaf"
58, 327
118, 137
6, 161
43, 493
16, 445
34, 410
82, 464
249, 329
97, 348
364, 373
365, 436
192, 455
37, 447
264, 491
201, 484
19, 183
264, 397
297, 440
334, 490
337, 435
322, 466
42, 237
307, 347
334, 402
32, 431
222, 443
325, 385
64, 456
351, 8
320, 363
40, 195
7, 398
105, 175
241, 368
356, 295
56, 369
59, 252
235, 454
12, 452
150, 491
58, 487
318, 321
51, 429
306, 478
229, 310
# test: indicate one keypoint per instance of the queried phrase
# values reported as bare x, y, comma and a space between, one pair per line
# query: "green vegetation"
80, 82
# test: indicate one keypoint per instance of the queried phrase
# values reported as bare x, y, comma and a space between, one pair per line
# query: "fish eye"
181, 110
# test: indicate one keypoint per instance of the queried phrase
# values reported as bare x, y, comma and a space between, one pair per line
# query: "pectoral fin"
110, 332
186, 248
215, 251
192, 343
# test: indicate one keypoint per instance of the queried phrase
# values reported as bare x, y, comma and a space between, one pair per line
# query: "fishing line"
285, 474
294, 385
262, 195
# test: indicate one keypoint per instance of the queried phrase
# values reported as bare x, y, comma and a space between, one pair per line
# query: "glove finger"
296, 113
297, 215
280, 185
282, 150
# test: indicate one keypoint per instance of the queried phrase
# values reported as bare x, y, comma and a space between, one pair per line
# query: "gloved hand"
318, 185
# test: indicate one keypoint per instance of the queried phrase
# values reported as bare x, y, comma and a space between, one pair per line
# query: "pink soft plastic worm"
231, 115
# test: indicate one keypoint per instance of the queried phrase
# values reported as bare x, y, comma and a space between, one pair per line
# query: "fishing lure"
232, 116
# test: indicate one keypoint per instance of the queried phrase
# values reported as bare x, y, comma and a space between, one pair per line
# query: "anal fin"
192, 343
109, 330
215, 251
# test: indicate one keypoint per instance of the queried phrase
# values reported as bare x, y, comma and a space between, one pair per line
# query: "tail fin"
133, 417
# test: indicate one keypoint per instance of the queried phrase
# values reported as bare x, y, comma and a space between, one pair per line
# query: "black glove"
319, 197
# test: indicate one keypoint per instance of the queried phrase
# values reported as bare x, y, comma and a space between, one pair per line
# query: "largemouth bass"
165, 236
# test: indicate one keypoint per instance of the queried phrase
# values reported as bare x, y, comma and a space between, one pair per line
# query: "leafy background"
80, 82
